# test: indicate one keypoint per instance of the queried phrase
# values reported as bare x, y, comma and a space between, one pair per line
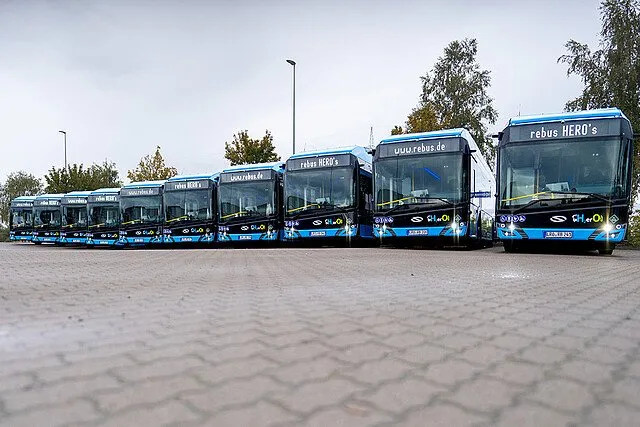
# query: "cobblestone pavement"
317, 337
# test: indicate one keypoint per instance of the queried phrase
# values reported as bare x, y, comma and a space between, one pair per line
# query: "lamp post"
293, 63
65, 147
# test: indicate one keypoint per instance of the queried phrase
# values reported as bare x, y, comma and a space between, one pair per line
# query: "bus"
433, 188
565, 179
250, 203
189, 206
47, 218
74, 218
328, 196
21, 219
103, 207
141, 213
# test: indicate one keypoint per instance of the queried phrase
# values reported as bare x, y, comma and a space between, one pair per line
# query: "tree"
152, 168
17, 184
454, 94
611, 74
76, 178
244, 150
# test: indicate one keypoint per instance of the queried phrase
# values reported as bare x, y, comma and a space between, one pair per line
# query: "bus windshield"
249, 198
104, 216
141, 210
46, 216
74, 216
319, 188
416, 180
572, 170
188, 205
21, 218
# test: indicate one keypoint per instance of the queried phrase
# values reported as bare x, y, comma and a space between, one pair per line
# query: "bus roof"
601, 113
276, 166
101, 191
445, 133
24, 199
140, 184
49, 196
78, 194
356, 150
211, 176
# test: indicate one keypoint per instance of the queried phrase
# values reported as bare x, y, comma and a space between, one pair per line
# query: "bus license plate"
418, 232
185, 239
318, 233
558, 234
245, 237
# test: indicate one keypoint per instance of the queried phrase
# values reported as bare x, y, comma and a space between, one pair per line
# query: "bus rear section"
433, 188
74, 218
189, 204
141, 214
47, 218
103, 207
565, 180
328, 197
250, 204
21, 219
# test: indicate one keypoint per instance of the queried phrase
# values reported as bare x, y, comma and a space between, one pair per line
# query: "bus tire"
606, 249
510, 247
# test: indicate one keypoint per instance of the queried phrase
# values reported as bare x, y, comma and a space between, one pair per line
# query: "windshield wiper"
594, 195
562, 199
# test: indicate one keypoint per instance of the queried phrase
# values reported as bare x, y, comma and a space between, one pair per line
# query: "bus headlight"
512, 227
607, 227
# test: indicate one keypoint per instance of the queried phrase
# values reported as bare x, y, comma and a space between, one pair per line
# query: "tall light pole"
293, 63
65, 147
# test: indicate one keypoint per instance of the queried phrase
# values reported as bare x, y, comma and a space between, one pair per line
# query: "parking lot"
317, 337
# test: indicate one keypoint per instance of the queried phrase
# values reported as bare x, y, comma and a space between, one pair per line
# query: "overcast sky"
124, 76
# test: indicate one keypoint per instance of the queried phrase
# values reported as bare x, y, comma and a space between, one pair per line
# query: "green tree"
17, 184
152, 167
454, 94
76, 178
611, 74
245, 150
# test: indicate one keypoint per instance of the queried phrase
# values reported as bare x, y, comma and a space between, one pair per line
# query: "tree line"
454, 93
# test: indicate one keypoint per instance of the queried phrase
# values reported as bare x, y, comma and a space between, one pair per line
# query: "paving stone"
170, 413
376, 371
73, 412
309, 397
613, 414
564, 395
364, 352
450, 372
543, 355
485, 395
518, 372
585, 371
484, 355
527, 415
261, 414
145, 393
399, 396
158, 368
442, 416
242, 368
313, 370
235, 392
84, 368
424, 354
627, 391
600, 354
345, 418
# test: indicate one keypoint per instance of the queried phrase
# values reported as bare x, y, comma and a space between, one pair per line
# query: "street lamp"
293, 63
65, 147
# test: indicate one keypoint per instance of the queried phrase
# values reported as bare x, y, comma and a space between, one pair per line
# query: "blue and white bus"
141, 213
250, 200
103, 207
328, 196
74, 218
433, 188
21, 219
565, 179
47, 218
190, 209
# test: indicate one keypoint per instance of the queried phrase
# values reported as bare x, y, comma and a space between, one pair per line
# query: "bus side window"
365, 196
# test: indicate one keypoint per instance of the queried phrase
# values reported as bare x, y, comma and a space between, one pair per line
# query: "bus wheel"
510, 246
606, 249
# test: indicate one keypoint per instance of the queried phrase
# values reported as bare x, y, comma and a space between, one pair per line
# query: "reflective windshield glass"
104, 216
188, 205
74, 216
568, 169
46, 216
141, 209
246, 199
21, 218
319, 188
418, 179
